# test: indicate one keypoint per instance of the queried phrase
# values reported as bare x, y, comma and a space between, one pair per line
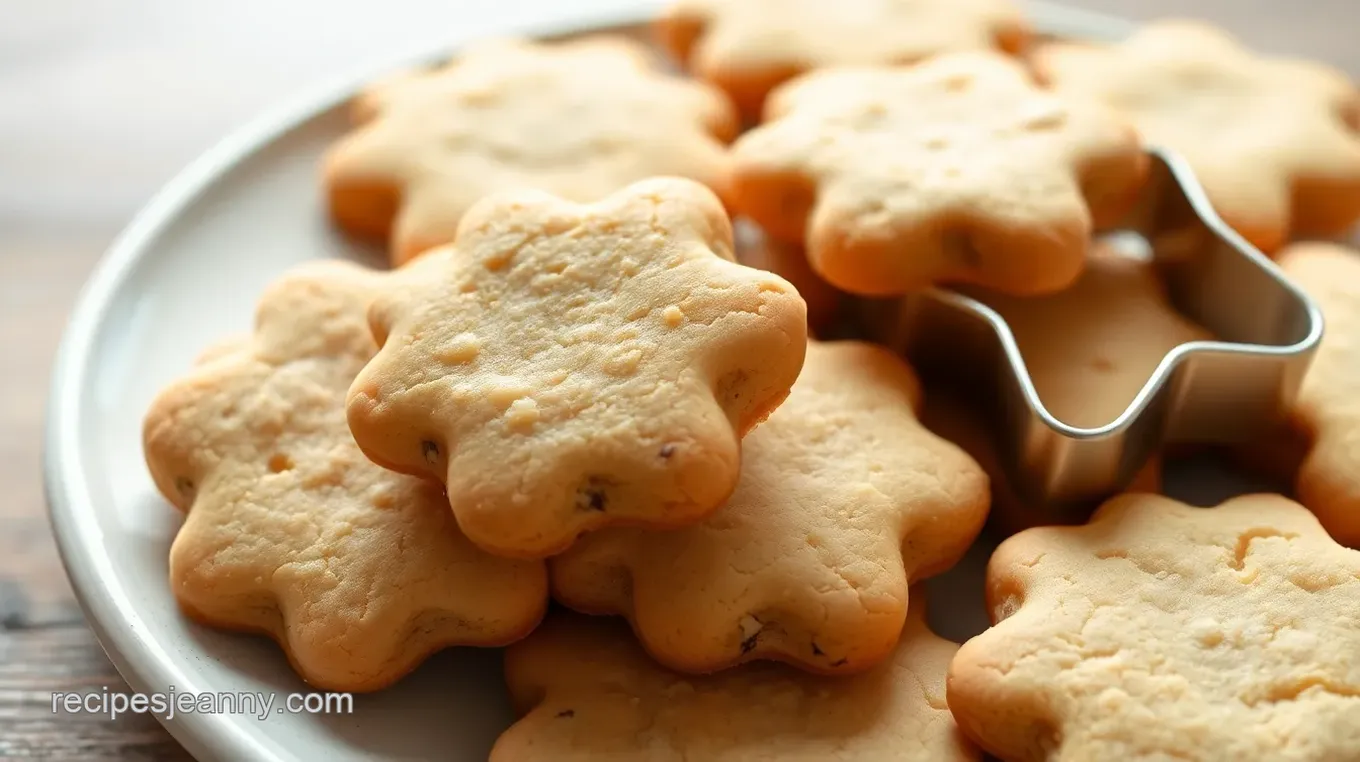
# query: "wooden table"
102, 103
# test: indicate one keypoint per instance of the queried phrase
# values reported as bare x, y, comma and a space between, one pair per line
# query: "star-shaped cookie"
1275, 142
1092, 348
588, 692
1327, 411
958, 170
747, 47
359, 573
844, 500
1162, 631
580, 119
564, 367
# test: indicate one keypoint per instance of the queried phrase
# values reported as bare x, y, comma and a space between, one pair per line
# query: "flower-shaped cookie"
1162, 631
1327, 410
589, 693
359, 573
844, 500
747, 47
1090, 349
564, 367
1275, 142
957, 170
580, 119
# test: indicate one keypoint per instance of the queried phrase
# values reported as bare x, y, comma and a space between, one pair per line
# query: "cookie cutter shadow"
1225, 391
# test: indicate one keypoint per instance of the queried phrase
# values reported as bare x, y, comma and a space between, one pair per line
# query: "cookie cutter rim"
1041, 454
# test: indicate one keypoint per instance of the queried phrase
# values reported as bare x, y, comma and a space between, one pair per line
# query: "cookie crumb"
673, 316
462, 350
430, 451
522, 415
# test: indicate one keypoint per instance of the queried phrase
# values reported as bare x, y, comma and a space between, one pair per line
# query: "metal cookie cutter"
1224, 391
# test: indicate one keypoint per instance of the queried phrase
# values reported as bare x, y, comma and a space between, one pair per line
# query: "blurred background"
102, 101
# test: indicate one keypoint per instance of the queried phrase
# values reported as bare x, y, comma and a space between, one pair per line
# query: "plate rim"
104, 602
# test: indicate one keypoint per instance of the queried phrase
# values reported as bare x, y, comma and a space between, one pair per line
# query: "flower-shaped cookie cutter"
1225, 391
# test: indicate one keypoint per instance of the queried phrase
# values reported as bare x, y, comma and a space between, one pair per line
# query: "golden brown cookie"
1275, 142
755, 249
961, 422
747, 47
1160, 631
1092, 348
359, 573
579, 119
1327, 411
588, 692
565, 367
844, 500
958, 170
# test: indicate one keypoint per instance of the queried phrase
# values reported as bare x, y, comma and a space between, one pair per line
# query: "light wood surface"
102, 103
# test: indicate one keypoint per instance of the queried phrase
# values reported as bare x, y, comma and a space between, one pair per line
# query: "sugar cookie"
1161, 631
958, 170
1275, 142
844, 500
565, 367
747, 47
359, 573
580, 119
588, 692
1327, 411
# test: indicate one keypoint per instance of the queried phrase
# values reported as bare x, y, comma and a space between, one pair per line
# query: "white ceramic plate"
187, 272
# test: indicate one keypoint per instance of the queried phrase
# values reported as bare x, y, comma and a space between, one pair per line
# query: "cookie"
565, 367
1275, 142
747, 47
1092, 348
579, 119
961, 422
358, 573
844, 500
1327, 410
588, 692
1162, 631
958, 170
755, 249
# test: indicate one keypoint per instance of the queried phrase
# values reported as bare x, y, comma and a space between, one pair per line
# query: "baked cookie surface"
565, 367
844, 500
1327, 410
1275, 142
359, 573
748, 47
1162, 631
1092, 348
588, 692
580, 119
958, 170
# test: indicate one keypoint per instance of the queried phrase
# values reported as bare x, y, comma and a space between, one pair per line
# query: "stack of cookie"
577, 382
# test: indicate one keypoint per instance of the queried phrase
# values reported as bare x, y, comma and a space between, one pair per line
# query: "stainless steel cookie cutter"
1223, 391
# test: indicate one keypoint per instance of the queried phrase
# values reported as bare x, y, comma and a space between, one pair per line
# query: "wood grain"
103, 102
